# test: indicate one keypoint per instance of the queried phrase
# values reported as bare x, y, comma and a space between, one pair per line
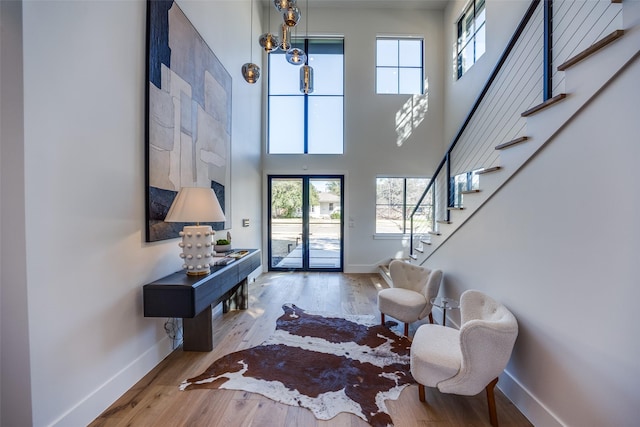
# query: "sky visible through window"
314, 123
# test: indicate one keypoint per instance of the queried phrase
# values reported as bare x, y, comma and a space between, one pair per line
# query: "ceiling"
380, 4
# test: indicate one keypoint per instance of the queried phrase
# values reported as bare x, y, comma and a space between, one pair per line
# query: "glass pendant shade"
251, 72
283, 4
296, 56
269, 42
291, 16
306, 79
285, 37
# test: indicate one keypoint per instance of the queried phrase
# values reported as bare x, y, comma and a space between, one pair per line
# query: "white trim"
83, 412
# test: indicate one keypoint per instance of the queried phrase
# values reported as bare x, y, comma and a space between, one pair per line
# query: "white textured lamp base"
197, 249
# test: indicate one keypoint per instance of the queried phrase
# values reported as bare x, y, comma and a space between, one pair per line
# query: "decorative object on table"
355, 366
238, 254
409, 298
196, 204
188, 105
470, 359
223, 245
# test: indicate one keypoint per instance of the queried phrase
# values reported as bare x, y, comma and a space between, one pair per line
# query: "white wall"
15, 390
84, 74
559, 245
369, 136
555, 245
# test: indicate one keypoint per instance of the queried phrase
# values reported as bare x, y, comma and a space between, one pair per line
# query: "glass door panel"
325, 223
305, 223
285, 223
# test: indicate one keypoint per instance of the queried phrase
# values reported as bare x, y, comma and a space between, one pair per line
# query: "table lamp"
196, 204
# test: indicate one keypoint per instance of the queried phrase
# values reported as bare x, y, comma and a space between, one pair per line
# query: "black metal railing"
446, 160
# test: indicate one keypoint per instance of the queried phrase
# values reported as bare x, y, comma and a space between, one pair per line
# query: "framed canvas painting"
188, 118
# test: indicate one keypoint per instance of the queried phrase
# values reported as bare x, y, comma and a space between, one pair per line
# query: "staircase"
511, 122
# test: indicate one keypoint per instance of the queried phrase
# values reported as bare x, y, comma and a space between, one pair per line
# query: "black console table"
192, 298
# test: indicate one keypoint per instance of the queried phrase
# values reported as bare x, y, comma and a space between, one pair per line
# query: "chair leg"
491, 401
421, 393
406, 329
382, 319
431, 318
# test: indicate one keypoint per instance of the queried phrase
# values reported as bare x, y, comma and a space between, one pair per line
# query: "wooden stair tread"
591, 49
511, 143
413, 257
435, 233
443, 221
419, 250
469, 191
455, 208
425, 242
488, 170
548, 103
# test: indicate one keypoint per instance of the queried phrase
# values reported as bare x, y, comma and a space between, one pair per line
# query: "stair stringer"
583, 82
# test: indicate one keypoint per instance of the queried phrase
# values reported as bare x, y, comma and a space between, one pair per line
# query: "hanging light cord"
251, 33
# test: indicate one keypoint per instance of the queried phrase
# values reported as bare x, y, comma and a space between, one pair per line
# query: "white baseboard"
85, 411
532, 408
360, 268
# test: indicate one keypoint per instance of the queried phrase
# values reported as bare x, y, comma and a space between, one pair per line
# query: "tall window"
313, 123
471, 36
395, 200
399, 66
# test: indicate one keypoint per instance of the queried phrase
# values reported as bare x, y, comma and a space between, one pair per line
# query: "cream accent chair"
409, 300
468, 360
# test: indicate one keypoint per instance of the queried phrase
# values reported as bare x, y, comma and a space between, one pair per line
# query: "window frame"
307, 112
406, 223
398, 67
470, 8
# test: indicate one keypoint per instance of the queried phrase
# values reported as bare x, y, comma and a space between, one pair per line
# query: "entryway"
306, 222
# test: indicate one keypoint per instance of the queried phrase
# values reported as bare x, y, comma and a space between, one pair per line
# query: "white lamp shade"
195, 204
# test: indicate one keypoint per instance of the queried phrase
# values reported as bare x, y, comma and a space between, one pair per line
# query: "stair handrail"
494, 73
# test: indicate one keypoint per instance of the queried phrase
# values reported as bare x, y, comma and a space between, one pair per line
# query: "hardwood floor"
156, 400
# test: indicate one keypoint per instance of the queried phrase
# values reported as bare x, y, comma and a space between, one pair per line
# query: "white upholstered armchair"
468, 360
409, 298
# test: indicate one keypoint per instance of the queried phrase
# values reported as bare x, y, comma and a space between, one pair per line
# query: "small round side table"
445, 304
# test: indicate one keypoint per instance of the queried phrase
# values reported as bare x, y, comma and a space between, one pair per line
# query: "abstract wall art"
188, 118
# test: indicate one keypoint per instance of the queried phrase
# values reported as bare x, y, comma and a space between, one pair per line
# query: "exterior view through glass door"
305, 223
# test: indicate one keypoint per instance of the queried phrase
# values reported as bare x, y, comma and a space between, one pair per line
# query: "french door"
305, 222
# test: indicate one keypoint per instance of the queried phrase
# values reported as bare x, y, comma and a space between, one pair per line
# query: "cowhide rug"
326, 364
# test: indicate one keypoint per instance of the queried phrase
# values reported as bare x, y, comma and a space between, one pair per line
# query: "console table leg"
198, 332
242, 295
238, 299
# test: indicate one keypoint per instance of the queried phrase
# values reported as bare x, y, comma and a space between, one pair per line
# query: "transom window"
313, 123
396, 197
399, 66
470, 45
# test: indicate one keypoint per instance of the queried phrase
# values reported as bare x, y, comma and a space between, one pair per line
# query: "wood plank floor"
156, 400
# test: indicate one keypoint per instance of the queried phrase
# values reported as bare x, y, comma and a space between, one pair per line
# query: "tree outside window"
396, 198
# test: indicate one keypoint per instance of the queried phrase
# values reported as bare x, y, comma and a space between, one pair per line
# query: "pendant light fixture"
282, 5
306, 79
269, 42
306, 72
296, 56
250, 71
291, 16
285, 37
